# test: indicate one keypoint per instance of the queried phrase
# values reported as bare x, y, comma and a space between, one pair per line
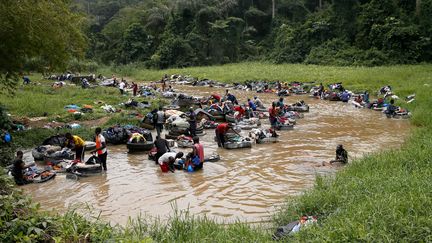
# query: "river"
246, 184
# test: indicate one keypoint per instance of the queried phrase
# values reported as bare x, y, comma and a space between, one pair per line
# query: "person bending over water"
77, 143
166, 161
220, 131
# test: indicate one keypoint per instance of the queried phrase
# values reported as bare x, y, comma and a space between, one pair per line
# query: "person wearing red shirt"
240, 110
134, 89
221, 130
216, 97
273, 112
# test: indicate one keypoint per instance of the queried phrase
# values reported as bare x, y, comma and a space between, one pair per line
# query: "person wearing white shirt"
122, 87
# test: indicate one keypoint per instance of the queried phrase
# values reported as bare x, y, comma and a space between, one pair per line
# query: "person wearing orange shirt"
101, 150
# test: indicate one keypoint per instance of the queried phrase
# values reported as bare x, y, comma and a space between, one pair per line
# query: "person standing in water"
101, 148
192, 122
273, 114
160, 120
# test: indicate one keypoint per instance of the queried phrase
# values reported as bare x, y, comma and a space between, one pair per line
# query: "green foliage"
46, 30
338, 53
6, 149
174, 51
393, 32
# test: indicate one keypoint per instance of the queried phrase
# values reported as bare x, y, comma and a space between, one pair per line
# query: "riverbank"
382, 197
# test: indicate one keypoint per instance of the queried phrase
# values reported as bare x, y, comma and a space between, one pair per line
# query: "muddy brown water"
246, 184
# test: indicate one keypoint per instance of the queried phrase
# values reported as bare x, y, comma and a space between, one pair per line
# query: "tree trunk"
273, 8
320, 4
418, 7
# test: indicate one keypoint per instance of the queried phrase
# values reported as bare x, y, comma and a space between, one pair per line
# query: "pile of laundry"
120, 134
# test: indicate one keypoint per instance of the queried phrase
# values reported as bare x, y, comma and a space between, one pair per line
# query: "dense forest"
179, 33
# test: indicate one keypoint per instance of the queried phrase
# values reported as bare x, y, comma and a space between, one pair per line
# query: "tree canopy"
162, 33
43, 34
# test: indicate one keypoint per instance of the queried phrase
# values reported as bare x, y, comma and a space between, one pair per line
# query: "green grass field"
385, 196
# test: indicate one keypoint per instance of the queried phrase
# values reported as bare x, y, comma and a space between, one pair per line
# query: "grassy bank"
46, 104
385, 196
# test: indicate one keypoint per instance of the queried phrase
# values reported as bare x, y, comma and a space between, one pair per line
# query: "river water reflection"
245, 184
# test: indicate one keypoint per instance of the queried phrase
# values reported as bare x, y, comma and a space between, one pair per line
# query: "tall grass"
240, 72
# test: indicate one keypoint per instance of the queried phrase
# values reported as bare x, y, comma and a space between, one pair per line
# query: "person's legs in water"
222, 139
103, 159
193, 130
218, 139
79, 153
159, 129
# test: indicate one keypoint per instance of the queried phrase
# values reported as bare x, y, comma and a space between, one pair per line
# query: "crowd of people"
165, 157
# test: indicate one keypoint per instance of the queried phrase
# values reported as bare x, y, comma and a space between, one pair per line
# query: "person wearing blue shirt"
252, 105
232, 98
345, 96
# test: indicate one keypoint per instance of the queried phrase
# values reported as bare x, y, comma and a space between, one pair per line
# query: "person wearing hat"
341, 155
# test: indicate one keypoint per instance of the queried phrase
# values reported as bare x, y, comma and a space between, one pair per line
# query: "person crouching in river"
198, 152
77, 143
18, 170
341, 155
